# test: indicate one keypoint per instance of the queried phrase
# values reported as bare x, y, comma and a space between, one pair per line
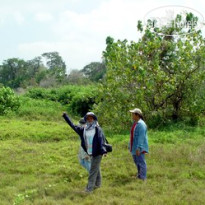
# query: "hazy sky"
77, 29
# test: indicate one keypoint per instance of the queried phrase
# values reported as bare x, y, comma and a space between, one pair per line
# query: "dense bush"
8, 101
78, 99
82, 102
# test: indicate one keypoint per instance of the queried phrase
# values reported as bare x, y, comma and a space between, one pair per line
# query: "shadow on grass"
121, 180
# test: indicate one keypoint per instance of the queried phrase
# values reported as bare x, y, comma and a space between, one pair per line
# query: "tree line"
163, 73
46, 70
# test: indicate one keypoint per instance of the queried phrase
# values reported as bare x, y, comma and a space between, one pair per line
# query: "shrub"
8, 101
40, 93
80, 99
82, 102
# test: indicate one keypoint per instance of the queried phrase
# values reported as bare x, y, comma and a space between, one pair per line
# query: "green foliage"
80, 99
39, 109
94, 71
56, 65
76, 77
40, 93
15, 72
163, 74
82, 102
8, 101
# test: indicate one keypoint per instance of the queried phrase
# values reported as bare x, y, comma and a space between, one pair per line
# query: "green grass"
33, 131
35, 109
39, 166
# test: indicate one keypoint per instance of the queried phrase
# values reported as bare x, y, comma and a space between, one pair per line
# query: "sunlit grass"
39, 165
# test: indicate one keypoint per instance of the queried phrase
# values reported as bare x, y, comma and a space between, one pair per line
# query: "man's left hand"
137, 152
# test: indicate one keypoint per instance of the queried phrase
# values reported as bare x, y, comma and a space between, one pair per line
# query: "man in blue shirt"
139, 142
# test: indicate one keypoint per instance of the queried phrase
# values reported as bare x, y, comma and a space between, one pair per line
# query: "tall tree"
34, 66
14, 72
37, 71
162, 73
56, 65
77, 77
94, 71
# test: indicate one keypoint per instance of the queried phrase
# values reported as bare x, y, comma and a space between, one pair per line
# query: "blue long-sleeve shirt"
140, 139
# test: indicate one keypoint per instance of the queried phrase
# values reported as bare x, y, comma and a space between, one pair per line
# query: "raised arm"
77, 129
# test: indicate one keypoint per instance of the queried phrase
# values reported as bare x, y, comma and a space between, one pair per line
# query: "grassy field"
39, 164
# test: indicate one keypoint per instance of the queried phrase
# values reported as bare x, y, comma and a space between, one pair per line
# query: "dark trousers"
94, 179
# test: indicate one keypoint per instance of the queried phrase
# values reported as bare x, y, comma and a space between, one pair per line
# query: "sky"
77, 29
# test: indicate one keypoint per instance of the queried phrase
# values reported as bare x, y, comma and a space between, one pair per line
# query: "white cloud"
2, 21
84, 34
79, 35
116, 18
18, 17
43, 17
11, 15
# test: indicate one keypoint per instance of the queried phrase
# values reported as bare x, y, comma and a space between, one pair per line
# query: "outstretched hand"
64, 113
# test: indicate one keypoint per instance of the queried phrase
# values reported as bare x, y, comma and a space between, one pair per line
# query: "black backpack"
108, 147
